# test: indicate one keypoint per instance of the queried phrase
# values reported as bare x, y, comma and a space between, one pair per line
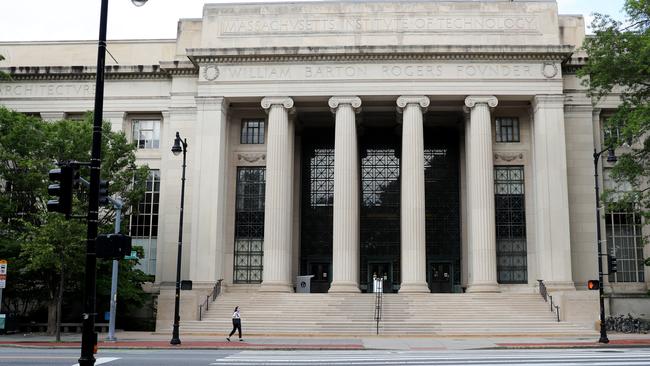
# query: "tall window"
252, 131
507, 129
624, 241
512, 264
144, 223
146, 133
249, 225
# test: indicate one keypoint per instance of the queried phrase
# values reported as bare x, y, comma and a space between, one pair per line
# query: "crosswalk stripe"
102, 360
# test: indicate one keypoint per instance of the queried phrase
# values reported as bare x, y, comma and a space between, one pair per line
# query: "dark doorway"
441, 279
320, 283
383, 270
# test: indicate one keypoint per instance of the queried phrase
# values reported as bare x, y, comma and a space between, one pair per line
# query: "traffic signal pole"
88, 336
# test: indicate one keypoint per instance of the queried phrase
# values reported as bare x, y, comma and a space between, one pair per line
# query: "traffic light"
612, 264
113, 246
64, 180
593, 284
103, 192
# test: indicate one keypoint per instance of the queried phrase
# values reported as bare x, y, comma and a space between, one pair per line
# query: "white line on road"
102, 360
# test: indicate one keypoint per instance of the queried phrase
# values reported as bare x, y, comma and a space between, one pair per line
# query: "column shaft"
278, 210
345, 246
483, 266
551, 193
412, 215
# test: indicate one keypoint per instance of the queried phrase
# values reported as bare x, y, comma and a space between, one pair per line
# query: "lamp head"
611, 156
177, 148
139, 2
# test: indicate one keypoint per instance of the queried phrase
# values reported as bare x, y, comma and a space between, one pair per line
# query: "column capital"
212, 103
420, 100
354, 102
473, 100
285, 102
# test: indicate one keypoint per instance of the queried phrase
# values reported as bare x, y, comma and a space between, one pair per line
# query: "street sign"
3, 281
3, 267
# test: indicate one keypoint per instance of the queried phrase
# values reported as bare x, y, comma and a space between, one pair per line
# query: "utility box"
303, 284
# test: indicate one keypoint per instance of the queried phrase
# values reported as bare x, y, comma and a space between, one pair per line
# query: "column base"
414, 288
275, 287
483, 287
343, 287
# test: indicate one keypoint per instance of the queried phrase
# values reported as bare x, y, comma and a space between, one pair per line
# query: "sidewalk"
147, 340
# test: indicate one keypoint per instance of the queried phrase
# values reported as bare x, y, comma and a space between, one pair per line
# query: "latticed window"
624, 241
507, 129
146, 134
249, 225
510, 207
144, 223
252, 131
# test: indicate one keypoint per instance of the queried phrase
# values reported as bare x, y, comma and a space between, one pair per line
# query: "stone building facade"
445, 146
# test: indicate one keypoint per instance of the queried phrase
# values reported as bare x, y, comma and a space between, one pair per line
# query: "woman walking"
236, 324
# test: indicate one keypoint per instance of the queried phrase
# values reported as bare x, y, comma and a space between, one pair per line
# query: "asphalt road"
58, 357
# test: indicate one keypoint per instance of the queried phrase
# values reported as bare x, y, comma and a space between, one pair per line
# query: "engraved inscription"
47, 90
374, 24
422, 71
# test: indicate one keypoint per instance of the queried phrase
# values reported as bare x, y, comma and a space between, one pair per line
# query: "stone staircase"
505, 314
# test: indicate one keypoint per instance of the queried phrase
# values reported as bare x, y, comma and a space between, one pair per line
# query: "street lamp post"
88, 335
180, 145
611, 157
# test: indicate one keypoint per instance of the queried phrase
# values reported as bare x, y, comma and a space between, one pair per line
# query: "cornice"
112, 72
378, 53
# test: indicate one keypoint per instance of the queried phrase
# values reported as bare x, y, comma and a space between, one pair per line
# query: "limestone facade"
421, 64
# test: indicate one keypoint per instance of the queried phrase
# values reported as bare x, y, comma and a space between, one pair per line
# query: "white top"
236, 315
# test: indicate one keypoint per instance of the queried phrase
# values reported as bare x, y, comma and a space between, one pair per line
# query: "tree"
44, 248
618, 64
3, 75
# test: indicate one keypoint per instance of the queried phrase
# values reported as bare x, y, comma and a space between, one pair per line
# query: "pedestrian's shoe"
241, 339
228, 338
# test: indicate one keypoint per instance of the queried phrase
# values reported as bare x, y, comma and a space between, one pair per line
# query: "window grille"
625, 242
249, 225
510, 222
144, 223
252, 131
507, 129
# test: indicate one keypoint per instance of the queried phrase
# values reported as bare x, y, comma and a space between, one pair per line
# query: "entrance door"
381, 269
441, 277
320, 283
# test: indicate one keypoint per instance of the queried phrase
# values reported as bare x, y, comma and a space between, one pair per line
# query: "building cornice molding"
165, 70
378, 53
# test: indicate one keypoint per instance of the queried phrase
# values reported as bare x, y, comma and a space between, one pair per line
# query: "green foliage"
40, 245
4, 75
619, 66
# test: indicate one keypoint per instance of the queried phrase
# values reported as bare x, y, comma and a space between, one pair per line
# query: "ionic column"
345, 246
551, 193
480, 189
412, 230
278, 210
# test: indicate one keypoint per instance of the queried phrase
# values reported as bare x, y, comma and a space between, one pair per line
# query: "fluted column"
483, 266
412, 230
345, 246
278, 211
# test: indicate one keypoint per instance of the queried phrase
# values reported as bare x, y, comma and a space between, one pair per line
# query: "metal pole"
175, 336
603, 328
89, 337
111, 320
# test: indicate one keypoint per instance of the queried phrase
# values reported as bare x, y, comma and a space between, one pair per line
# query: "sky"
50, 20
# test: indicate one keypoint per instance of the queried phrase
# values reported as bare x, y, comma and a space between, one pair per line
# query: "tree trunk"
59, 302
51, 316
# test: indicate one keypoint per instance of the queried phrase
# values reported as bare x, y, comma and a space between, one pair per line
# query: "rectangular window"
249, 225
252, 131
624, 241
144, 223
512, 263
146, 134
507, 129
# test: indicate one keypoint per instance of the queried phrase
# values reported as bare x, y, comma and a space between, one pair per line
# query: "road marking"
102, 360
